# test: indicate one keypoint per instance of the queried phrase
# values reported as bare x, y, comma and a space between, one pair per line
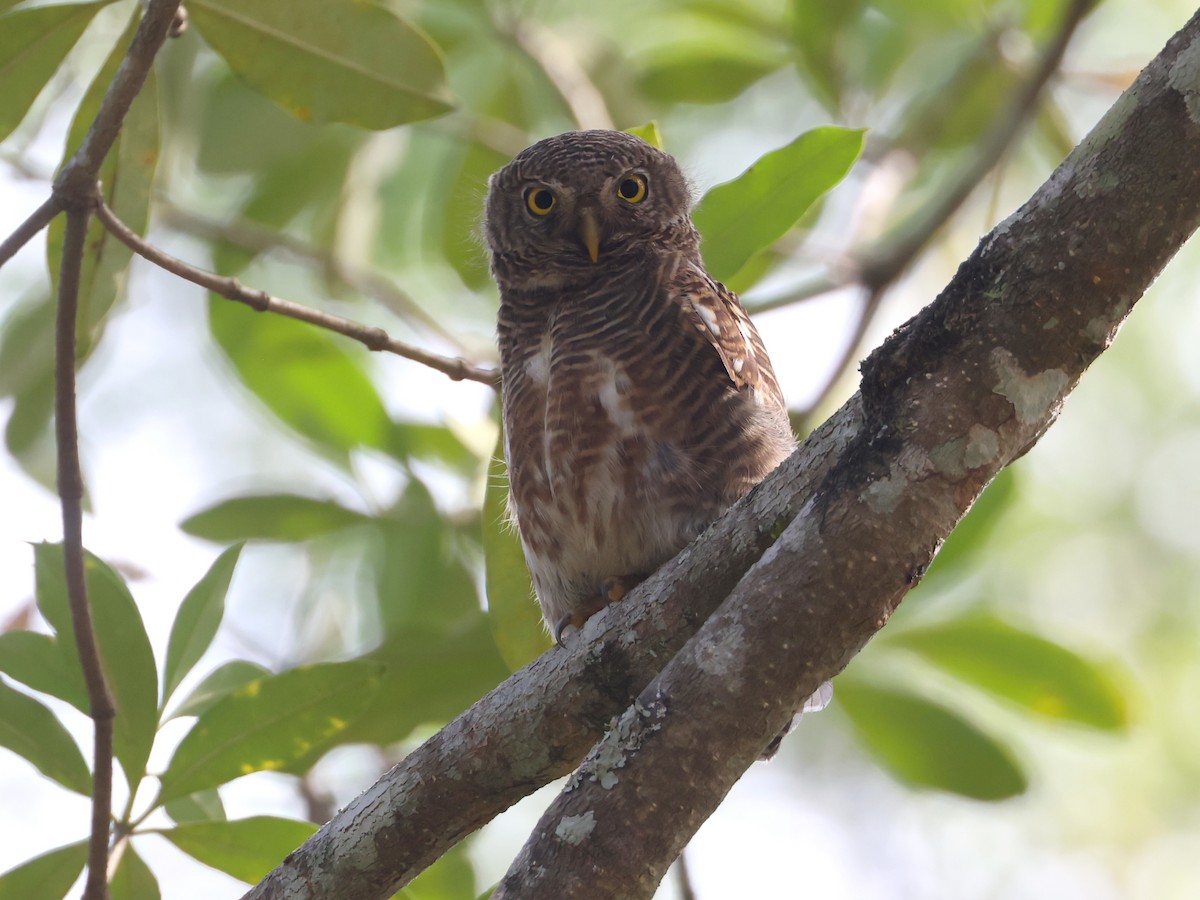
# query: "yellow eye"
632, 189
539, 200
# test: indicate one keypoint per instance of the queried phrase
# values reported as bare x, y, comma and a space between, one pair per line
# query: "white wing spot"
612, 389
709, 317
537, 365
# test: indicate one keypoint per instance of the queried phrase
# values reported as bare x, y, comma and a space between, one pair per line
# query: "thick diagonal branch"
1018, 326
955, 395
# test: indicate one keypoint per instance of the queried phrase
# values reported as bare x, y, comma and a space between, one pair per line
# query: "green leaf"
27, 345
329, 62
133, 879
450, 878
221, 681
698, 55
43, 663
278, 723
125, 653
926, 745
197, 620
241, 131
30, 730
432, 443
247, 849
306, 376
705, 77
422, 581
320, 163
270, 517
746, 215
820, 31
202, 806
45, 877
1023, 668
460, 212
648, 133
431, 677
126, 180
513, 613
28, 434
33, 44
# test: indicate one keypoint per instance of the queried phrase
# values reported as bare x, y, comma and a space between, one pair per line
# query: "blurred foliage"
361, 136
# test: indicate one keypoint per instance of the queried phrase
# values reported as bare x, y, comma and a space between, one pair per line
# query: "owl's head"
580, 203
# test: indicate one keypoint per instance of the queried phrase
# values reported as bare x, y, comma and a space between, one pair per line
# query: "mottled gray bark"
955, 395
810, 565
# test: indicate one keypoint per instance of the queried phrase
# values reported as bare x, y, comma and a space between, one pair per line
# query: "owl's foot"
612, 590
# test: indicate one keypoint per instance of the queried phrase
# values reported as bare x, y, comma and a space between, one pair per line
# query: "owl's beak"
589, 233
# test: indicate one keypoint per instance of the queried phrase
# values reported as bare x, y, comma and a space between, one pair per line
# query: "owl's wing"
717, 314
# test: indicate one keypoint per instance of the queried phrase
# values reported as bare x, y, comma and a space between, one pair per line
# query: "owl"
638, 399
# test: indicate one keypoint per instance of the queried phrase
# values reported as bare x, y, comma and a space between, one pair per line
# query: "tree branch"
259, 239
75, 192
876, 267
538, 724
76, 182
38, 219
70, 492
956, 394
884, 262
959, 392
232, 289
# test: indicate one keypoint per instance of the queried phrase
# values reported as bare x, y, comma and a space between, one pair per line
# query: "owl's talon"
612, 590
562, 628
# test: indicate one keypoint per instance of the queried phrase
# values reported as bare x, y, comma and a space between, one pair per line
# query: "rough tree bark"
812, 563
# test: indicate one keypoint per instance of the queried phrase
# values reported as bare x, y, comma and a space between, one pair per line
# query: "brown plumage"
639, 402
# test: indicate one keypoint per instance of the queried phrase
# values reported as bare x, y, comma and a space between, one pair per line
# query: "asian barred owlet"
639, 402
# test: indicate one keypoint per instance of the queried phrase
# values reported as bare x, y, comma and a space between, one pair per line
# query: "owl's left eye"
632, 189
539, 200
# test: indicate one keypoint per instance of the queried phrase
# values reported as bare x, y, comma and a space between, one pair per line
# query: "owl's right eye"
540, 200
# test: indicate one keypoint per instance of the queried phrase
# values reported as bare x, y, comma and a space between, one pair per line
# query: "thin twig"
79, 175
231, 289
37, 220
881, 264
884, 263
870, 309
70, 492
817, 286
257, 238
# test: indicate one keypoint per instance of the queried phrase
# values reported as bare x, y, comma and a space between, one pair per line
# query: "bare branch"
960, 391
966, 386
70, 492
878, 266
76, 182
251, 236
232, 289
882, 264
38, 219
538, 724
